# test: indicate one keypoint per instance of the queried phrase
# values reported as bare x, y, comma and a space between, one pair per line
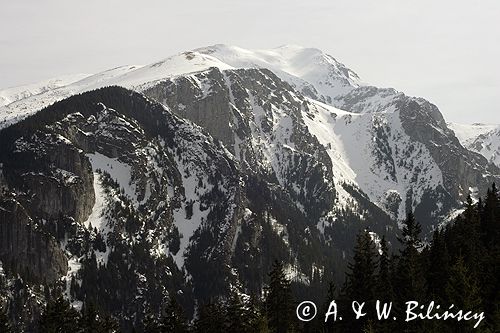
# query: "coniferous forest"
459, 266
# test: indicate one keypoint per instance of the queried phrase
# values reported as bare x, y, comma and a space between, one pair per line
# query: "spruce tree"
88, 320
489, 274
490, 218
59, 316
461, 288
361, 275
151, 322
384, 289
361, 280
411, 276
463, 291
211, 319
329, 326
256, 315
467, 236
91, 321
173, 320
279, 300
5, 326
237, 319
439, 263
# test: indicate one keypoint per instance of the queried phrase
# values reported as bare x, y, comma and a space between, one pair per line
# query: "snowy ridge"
309, 70
481, 138
132, 77
13, 94
20, 109
467, 134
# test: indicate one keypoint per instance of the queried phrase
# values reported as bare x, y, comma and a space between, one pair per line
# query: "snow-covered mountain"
212, 162
11, 95
481, 138
377, 118
310, 71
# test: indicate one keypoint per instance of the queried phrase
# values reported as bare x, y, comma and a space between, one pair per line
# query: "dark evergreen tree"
256, 316
59, 317
211, 319
462, 290
99, 243
279, 300
331, 294
361, 275
91, 321
361, 279
151, 322
173, 319
438, 267
411, 281
384, 289
109, 324
490, 218
237, 320
5, 326
489, 258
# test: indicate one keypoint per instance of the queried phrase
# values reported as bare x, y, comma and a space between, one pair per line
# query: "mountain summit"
311, 71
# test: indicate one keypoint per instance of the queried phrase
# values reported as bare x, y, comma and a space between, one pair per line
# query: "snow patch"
119, 171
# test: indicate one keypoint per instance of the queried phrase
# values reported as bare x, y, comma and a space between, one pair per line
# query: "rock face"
258, 117
202, 99
461, 167
26, 249
56, 175
52, 181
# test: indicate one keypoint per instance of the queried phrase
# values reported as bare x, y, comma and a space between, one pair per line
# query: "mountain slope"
119, 191
483, 139
320, 77
11, 95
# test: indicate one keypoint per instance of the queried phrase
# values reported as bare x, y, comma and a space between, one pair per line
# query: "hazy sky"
447, 51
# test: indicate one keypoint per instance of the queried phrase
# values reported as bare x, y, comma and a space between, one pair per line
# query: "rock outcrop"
25, 248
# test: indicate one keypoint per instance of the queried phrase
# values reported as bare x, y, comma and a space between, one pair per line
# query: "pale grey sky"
447, 51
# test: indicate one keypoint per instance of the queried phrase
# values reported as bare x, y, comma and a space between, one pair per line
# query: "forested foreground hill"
460, 266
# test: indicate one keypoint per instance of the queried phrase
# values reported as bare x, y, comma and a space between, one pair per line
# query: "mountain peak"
310, 70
